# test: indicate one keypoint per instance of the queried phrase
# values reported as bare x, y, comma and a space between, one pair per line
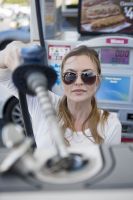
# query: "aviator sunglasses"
87, 77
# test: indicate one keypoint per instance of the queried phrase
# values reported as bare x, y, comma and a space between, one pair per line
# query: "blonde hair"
95, 115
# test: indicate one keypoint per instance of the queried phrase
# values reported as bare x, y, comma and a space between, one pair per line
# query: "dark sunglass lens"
69, 78
88, 78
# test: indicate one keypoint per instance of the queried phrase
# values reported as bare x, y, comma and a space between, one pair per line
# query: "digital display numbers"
115, 56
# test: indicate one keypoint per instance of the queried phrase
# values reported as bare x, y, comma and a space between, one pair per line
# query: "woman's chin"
79, 99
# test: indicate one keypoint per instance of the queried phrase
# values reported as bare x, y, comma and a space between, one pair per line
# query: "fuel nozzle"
73, 162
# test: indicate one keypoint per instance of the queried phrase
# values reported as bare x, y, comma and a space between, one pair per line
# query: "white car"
9, 105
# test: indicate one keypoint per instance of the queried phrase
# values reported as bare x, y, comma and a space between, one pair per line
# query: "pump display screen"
115, 56
114, 88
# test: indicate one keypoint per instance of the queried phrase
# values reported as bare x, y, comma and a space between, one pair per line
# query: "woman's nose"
78, 80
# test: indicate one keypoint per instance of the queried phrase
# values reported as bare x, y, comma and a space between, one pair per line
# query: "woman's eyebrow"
82, 70
70, 70
85, 70
88, 70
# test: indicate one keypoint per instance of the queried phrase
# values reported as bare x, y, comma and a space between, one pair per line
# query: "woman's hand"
10, 57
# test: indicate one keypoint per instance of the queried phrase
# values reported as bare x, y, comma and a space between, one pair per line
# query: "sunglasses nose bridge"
78, 79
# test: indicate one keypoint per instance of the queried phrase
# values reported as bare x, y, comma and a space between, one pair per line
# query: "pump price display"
115, 56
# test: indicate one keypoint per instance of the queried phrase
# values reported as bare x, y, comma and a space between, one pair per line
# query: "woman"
77, 111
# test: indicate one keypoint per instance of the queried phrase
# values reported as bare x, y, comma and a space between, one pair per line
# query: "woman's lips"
78, 91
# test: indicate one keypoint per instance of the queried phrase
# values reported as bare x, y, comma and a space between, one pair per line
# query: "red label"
117, 41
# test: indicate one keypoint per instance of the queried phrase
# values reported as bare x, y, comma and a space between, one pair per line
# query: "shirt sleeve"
112, 130
42, 131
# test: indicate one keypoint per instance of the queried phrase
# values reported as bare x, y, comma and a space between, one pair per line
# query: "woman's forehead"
82, 61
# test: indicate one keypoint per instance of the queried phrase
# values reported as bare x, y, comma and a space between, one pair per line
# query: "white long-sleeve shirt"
42, 131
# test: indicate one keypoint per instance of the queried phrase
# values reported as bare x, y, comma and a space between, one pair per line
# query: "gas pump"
115, 93
116, 56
